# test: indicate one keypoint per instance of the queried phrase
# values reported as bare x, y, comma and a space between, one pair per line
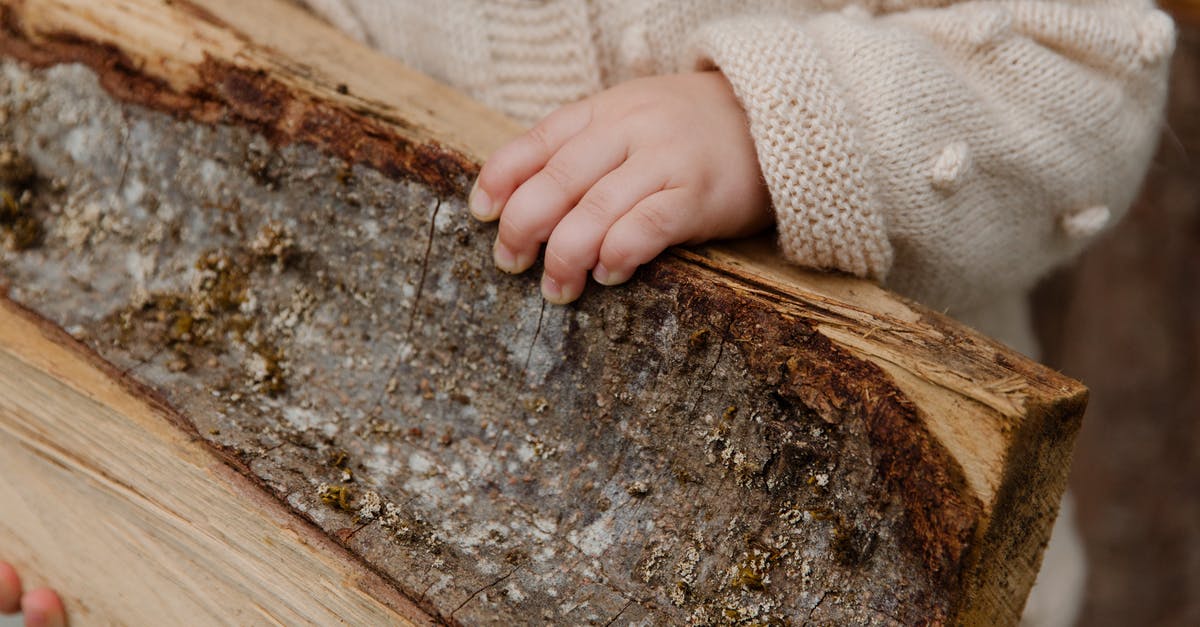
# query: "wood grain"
103, 493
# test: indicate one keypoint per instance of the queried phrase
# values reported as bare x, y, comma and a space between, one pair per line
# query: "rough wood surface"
264, 224
211, 549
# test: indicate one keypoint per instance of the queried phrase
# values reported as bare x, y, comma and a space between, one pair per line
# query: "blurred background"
1125, 320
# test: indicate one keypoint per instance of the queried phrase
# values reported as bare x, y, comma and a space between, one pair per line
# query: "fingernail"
505, 258
604, 276
551, 290
480, 204
36, 617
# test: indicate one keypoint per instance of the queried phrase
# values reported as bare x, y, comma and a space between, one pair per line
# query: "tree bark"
258, 227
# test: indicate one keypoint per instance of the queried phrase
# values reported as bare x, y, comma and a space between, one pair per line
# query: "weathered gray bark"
691, 447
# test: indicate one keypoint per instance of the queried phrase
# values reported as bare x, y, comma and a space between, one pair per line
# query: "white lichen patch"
548, 554
298, 310
543, 528
637, 488
650, 567
370, 505
514, 593
419, 463
443, 580
686, 569
535, 447
487, 567
132, 193
381, 463
140, 268
594, 539
300, 418
211, 173
535, 342
473, 536
298, 502
369, 229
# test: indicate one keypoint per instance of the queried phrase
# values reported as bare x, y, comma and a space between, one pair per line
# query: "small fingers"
10, 589
537, 206
42, 608
574, 246
657, 222
520, 158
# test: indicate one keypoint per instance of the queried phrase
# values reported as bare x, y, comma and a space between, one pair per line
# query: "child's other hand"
41, 606
611, 181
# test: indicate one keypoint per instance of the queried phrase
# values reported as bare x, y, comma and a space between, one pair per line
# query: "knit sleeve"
958, 151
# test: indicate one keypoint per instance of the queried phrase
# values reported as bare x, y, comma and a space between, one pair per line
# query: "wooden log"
255, 232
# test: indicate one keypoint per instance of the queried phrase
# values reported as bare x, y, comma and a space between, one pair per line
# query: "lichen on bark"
669, 451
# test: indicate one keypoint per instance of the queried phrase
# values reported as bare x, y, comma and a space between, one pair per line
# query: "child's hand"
611, 181
41, 606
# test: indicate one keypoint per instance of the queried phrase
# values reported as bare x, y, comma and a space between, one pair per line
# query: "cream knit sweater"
956, 150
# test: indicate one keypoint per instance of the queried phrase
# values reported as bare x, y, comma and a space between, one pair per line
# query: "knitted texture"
524, 58
807, 147
959, 149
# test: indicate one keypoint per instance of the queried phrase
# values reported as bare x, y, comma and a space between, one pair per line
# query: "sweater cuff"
811, 160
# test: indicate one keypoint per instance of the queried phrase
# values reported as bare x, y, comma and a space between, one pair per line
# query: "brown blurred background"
1125, 320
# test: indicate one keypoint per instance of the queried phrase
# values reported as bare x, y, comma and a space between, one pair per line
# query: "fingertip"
654, 224
509, 260
41, 607
558, 293
10, 589
504, 257
551, 290
481, 204
607, 277
522, 157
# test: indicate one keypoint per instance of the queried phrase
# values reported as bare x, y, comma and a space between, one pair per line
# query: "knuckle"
491, 175
575, 246
638, 102
516, 228
560, 175
646, 119
578, 114
659, 222
617, 250
596, 204
501, 167
539, 137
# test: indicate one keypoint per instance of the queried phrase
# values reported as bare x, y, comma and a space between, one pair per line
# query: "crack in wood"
495, 583
412, 319
351, 535
412, 316
816, 605
612, 620
536, 332
124, 151
46, 449
708, 377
